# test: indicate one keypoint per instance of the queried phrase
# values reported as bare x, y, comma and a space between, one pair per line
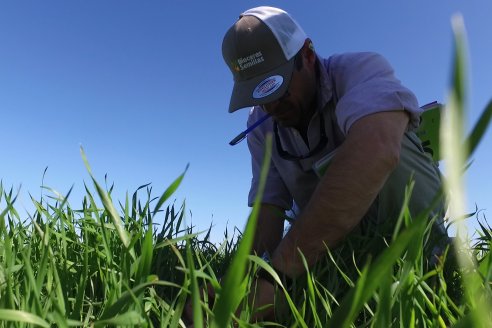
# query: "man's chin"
286, 123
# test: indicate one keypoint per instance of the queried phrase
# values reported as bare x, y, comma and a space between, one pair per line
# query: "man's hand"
208, 290
269, 228
261, 301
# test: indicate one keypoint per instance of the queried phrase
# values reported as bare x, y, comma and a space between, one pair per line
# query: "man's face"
294, 108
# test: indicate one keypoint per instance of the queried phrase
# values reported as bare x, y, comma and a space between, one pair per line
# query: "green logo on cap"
235, 66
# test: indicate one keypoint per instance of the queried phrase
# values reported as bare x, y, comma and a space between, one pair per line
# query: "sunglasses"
323, 140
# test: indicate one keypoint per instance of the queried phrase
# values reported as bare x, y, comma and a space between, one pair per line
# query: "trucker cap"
260, 49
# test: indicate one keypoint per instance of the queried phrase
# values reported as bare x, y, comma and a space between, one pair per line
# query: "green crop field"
104, 262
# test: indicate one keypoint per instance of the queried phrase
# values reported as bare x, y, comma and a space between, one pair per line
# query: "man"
350, 106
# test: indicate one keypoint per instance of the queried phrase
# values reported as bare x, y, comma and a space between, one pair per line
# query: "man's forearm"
350, 185
269, 229
342, 201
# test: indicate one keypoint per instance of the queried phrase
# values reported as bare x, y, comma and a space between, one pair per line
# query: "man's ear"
310, 53
308, 44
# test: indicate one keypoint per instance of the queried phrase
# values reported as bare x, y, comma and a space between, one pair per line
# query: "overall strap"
330, 107
338, 135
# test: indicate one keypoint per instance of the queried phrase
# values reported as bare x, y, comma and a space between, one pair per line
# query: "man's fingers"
188, 309
188, 314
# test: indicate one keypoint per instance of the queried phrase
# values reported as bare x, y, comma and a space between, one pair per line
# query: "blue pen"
240, 137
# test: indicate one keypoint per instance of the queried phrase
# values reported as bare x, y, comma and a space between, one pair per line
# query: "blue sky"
141, 85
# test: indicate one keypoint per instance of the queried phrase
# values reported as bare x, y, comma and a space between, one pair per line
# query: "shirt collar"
325, 86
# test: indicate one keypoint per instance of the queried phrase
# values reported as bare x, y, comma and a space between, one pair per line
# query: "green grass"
101, 264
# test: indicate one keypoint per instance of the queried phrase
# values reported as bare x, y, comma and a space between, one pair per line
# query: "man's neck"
303, 131
303, 125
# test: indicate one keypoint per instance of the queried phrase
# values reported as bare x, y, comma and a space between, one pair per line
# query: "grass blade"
127, 297
108, 205
146, 255
479, 129
231, 293
375, 276
455, 156
195, 293
21, 316
125, 319
169, 191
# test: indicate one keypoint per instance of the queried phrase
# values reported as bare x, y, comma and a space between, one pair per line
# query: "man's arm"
356, 175
269, 229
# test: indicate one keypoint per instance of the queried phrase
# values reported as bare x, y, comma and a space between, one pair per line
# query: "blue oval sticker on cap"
268, 86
